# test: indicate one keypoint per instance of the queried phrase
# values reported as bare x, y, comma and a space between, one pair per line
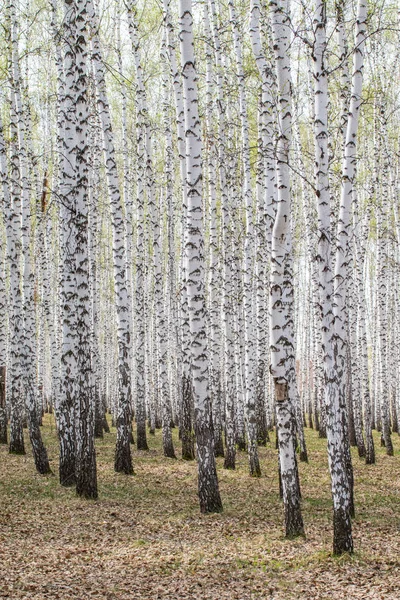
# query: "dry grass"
144, 537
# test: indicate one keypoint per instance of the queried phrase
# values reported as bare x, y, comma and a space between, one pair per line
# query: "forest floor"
145, 538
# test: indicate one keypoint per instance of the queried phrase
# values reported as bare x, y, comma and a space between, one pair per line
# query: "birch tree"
209, 497
281, 283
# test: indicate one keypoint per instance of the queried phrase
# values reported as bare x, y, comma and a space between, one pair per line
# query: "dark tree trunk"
123, 457
186, 420
38, 448
316, 415
262, 429
395, 423
106, 426
230, 455
67, 451
370, 450
168, 447
209, 497
310, 419
241, 442
141, 438
219, 443
347, 457
350, 416
322, 415
216, 407
99, 414
342, 537
3, 411
17, 445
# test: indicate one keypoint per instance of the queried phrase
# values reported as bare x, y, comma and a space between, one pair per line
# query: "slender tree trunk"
17, 445
141, 108
3, 296
123, 459
334, 385
281, 285
86, 474
209, 497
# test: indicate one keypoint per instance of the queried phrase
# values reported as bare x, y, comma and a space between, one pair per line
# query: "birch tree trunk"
65, 406
281, 284
248, 264
209, 497
186, 388
141, 112
333, 378
123, 459
15, 248
342, 258
3, 293
86, 475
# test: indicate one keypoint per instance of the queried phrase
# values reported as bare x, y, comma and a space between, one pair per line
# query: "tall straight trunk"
249, 262
383, 292
3, 294
229, 383
65, 408
161, 287
28, 348
281, 284
184, 359
14, 251
363, 346
94, 260
342, 536
266, 207
209, 497
214, 270
353, 344
86, 473
141, 111
123, 459
343, 248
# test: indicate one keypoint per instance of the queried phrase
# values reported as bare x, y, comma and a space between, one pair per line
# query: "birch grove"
199, 234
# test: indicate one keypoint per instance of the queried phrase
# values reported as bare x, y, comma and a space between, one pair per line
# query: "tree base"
303, 456
87, 493
188, 452
169, 452
123, 459
294, 521
342, 536
230, 460
254, 466
219, 446
16, 451
106, 426
41, 459
361, 451
141, 440
17, 447
67, 477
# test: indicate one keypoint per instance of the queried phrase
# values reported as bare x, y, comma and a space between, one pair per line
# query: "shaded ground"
144, 537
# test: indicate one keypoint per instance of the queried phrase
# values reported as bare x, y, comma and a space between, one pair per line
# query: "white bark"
194, 264
281, 284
